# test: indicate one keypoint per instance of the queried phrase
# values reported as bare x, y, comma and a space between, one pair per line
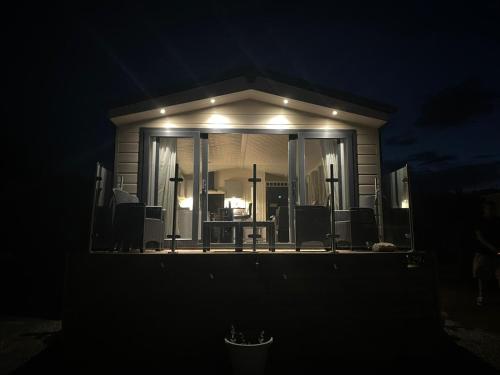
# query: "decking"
246, 250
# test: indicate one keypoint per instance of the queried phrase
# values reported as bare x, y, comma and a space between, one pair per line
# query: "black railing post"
254, 181
332, 181
176, 181
97, 193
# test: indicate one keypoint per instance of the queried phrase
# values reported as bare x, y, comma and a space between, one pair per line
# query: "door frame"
296, 157
351, 160
145, 138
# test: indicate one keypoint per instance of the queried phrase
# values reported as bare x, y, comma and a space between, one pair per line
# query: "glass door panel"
396, 206
292, 185
165, 151
317, 151
319, 155
229, 194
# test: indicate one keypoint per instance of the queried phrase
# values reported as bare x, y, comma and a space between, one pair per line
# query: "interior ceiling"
268, 151
234, 150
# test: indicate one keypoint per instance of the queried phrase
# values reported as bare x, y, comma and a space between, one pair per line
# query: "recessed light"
335, 113
285, 101
212, 100
162, 111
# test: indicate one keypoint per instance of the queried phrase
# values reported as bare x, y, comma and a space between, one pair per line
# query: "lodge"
217, 135
258, 202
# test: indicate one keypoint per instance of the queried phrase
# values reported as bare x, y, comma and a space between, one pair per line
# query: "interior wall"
276, 178
243, 175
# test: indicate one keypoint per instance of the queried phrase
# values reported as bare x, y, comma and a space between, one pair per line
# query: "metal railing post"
254, 181
332, 181
97, 192
176, 181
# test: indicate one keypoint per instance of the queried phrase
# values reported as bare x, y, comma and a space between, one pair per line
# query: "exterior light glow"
277, 122
162, 111
212, 100
335, 113
218, 121
285, 101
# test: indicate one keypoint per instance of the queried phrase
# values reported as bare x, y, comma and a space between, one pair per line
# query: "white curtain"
261, 196
315, 195
166, 170
329, 152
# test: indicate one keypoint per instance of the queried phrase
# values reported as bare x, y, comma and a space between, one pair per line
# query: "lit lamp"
186, 202
405, 204
233, 194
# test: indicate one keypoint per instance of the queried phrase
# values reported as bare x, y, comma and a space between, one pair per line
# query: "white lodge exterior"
218, 131
322, 307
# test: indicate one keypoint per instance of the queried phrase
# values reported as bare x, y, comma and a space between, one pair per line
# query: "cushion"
384, 246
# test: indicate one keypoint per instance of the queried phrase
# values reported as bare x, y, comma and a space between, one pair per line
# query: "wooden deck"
248, 251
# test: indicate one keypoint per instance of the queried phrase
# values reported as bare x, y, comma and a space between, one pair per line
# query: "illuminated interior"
229, 193
230, 161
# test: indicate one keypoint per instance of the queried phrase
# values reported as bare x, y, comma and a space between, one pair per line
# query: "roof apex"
267, 83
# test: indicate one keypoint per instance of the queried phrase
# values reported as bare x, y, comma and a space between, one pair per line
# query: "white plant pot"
248, 359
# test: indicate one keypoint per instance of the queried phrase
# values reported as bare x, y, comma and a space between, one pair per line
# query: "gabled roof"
262, 86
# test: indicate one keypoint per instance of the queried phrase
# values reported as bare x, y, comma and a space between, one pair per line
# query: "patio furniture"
226, 233
364, 232
154, 227
209, 226
343, 228
135, 225
397, 226
282, 224
312, 224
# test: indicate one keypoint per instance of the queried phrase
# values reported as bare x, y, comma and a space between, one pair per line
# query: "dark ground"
470, 341
451, 357
38, 275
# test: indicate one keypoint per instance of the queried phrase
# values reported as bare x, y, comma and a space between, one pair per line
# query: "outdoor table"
238, 225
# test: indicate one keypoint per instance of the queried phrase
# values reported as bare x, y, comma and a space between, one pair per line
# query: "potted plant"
248, 351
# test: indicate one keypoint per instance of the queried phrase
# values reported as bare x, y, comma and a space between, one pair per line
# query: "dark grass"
449, 358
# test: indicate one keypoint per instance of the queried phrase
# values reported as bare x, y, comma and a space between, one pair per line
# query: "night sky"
437, 63
64, 67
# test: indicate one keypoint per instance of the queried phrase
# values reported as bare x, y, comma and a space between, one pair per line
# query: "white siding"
127, 156
251, 114
368, 165
128, 147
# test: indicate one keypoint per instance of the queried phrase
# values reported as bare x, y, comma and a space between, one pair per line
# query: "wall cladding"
253, 114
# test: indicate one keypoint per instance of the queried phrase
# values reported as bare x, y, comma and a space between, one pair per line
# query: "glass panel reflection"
396, 208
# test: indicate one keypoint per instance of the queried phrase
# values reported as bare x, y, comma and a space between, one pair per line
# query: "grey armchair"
135, 225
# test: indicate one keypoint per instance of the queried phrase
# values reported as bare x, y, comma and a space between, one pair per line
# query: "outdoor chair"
282, 224
312, 224
364, 231
343, 229
135, 225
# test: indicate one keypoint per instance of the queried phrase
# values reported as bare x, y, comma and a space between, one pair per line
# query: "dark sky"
64, 67
437, 62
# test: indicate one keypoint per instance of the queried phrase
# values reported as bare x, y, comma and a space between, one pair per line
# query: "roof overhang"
258, 88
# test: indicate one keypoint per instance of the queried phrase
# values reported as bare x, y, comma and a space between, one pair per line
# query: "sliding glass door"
316, 152
319, 154
293, 185
215, 167
165, 149
227, 194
